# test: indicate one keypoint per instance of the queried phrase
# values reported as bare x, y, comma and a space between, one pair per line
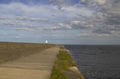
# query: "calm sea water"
97, 62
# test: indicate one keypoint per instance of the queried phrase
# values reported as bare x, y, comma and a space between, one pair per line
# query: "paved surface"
37, 66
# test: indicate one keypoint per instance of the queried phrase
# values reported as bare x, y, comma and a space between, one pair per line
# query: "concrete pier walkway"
36, 66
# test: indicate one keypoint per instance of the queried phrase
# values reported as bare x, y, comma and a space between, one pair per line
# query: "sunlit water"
97, 62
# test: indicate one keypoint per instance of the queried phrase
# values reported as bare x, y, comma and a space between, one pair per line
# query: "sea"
97, 61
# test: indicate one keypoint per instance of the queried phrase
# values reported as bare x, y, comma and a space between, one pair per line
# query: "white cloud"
30, 19
25, 29
18, 14
57, 1
91, 34
115, 9
111, 6
47, 18
92, 2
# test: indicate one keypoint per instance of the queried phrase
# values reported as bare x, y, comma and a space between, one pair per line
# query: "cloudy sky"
60, 21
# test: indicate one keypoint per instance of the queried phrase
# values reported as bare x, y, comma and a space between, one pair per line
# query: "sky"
60, 21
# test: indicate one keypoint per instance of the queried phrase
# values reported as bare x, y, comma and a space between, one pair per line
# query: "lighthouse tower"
46, 41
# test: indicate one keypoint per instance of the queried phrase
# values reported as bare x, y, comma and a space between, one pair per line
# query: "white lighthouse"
46, 41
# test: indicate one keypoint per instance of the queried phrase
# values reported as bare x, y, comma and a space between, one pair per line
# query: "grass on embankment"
62, 64
10, 51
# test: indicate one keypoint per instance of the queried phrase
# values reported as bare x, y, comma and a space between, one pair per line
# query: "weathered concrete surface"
37, 66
